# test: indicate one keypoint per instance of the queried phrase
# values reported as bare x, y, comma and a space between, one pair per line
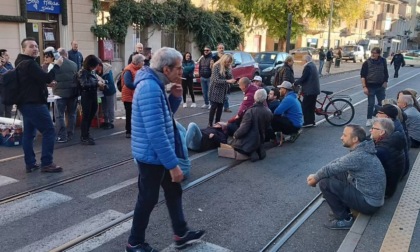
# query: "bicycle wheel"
339, 112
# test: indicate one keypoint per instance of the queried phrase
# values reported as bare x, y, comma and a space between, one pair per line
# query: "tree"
272, 14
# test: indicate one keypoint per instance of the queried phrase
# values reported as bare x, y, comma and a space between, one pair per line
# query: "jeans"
308, 109
193, 137
379, 92
341, 196
65, 106
151, 177
226, 102
127, 106
321, 65
108, 108
37, 117
89, 102
205, 84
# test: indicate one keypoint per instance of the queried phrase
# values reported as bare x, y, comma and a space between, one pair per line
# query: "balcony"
369, 14
347, 32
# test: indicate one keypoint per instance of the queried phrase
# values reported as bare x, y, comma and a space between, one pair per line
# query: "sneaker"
193, 105
204, 106
369, 123
189, 238
341, 224
144, 247
227, 110
127, 135
209, 107
184, 105
51, 168
294, 137
32, 168
108, 126
87, 141
61, 140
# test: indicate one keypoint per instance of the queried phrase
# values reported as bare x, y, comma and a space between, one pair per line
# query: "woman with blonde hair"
221, 78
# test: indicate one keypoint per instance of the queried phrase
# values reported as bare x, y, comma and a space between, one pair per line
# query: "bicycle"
339, 110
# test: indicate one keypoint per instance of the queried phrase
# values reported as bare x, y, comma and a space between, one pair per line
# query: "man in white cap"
257, 81
288, 118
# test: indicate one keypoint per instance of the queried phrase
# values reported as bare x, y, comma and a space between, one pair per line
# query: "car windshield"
349, 48
265, 57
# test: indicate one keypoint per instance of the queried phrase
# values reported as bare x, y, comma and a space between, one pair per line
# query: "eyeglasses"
178, 68
373, 128
207, 50
374, 52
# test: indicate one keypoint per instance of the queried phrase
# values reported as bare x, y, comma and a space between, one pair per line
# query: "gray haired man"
66, 89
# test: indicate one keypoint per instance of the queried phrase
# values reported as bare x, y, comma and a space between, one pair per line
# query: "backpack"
10, 87
118, 80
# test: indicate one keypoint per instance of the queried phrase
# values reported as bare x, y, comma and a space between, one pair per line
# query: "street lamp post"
330, 24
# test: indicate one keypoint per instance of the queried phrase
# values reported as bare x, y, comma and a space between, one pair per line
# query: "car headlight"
268, 69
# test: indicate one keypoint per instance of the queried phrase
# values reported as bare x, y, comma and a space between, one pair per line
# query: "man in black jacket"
310, 89
75, 55
322, 57
398, 60
33, 106
204, 68
330, 59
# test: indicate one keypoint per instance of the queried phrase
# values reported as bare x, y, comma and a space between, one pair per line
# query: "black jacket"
398, 60
330, 55
33, 80
204, 66
87, 81
251, 133
390, 152
285, 73
309, 80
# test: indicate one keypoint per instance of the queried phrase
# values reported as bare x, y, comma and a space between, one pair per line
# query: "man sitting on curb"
354, 181
288, 115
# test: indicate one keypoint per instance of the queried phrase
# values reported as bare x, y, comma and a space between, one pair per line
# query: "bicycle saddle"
327, 92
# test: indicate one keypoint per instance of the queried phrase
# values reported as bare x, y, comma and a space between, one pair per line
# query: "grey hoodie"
364, 170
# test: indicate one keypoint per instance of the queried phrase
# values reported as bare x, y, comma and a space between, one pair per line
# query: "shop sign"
46, 6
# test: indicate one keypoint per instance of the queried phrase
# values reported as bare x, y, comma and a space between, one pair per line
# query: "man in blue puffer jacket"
155, 149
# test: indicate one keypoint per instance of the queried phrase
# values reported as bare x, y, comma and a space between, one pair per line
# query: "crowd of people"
360, 180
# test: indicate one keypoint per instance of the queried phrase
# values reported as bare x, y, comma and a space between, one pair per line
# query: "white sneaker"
193, 105
184, 105
204, 106
209, 107
368, 122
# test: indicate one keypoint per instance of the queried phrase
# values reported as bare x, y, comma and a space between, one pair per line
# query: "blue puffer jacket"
153, 140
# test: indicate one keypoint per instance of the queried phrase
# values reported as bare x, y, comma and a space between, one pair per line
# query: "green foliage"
208, 28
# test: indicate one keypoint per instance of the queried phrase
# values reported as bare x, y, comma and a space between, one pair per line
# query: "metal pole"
330, 24
289, 31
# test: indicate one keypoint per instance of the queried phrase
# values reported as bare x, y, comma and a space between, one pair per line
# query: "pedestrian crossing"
6, 180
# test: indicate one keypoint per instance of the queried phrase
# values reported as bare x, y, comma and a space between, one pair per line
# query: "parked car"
269, 63
243, 66
353, 52
411, 58
303, 50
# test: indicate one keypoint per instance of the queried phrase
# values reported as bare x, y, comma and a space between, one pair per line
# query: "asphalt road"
241, 209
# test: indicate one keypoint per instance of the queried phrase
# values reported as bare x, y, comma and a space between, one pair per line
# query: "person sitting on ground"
257, 81
355, 181
390, 151
250, 136
249, 90
413, 94
200, 140
288, 115
273, 99
405, 102
391, 112
185, 162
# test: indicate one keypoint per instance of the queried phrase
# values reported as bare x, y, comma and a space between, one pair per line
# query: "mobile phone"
56, 55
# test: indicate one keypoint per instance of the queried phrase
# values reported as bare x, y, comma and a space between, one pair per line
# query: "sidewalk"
344, 67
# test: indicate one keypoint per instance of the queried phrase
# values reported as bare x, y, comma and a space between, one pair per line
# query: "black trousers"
341, 196
89, 101
284, 125
396, 68
308, 109
127, 106
215, 109
187, 86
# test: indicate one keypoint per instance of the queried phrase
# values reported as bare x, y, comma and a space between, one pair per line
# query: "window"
246, 58
237, 59
366, 24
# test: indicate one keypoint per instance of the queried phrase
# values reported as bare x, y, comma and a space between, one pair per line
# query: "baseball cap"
286, 85
388, 109
257, 78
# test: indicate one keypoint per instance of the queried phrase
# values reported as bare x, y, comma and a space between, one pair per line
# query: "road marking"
112, 188
34, 203
72, 232
6, 180
103, 238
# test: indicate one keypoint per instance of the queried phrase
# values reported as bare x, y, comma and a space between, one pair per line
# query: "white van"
353, 52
